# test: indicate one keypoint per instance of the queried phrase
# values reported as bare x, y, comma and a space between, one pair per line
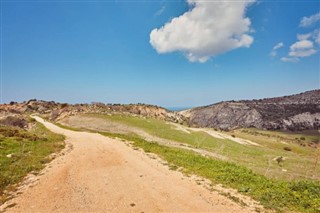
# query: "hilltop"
294, 112
57, 111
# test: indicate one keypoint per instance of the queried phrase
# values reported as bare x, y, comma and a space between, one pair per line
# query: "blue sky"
82, 51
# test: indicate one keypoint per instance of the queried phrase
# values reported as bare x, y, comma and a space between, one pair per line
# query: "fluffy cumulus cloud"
308, 21
274, 49
302, 48
208, 29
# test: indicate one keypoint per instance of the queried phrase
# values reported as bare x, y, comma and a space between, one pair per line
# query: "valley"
246, 167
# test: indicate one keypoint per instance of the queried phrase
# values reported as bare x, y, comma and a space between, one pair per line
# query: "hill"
56, 111
294, 112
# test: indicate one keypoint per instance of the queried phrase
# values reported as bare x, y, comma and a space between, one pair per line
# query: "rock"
295, 112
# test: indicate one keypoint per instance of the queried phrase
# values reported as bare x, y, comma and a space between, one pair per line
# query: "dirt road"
105, 175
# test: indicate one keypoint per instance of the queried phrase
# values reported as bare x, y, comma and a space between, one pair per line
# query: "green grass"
164, 130
282, 196
29, 150
300, 139
299, 163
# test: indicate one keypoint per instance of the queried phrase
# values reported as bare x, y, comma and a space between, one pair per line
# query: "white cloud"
302, 53
289, 59
273, 54
303, 48
308, 21
160, 11
274, 49
316, 36
208, 29
304, 36
277, 46
300, 49
304, 44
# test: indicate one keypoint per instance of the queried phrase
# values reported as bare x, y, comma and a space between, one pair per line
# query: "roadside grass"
300, 140
301, 137
300, 163
304, 147
24, 151
282, 196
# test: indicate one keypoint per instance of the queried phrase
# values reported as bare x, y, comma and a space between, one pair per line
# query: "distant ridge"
293, 112
56, 111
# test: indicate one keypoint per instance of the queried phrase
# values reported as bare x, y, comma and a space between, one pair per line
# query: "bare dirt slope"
105, 175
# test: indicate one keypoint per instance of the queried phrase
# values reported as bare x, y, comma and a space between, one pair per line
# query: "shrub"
64, 105
287, 148
14, 121
31, 100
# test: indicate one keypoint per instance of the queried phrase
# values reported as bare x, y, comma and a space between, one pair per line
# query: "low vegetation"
306, 138
23, 151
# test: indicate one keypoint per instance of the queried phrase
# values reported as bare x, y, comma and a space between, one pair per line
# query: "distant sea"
177, 108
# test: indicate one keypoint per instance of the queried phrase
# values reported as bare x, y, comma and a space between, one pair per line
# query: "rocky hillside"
57, 111
294, 112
